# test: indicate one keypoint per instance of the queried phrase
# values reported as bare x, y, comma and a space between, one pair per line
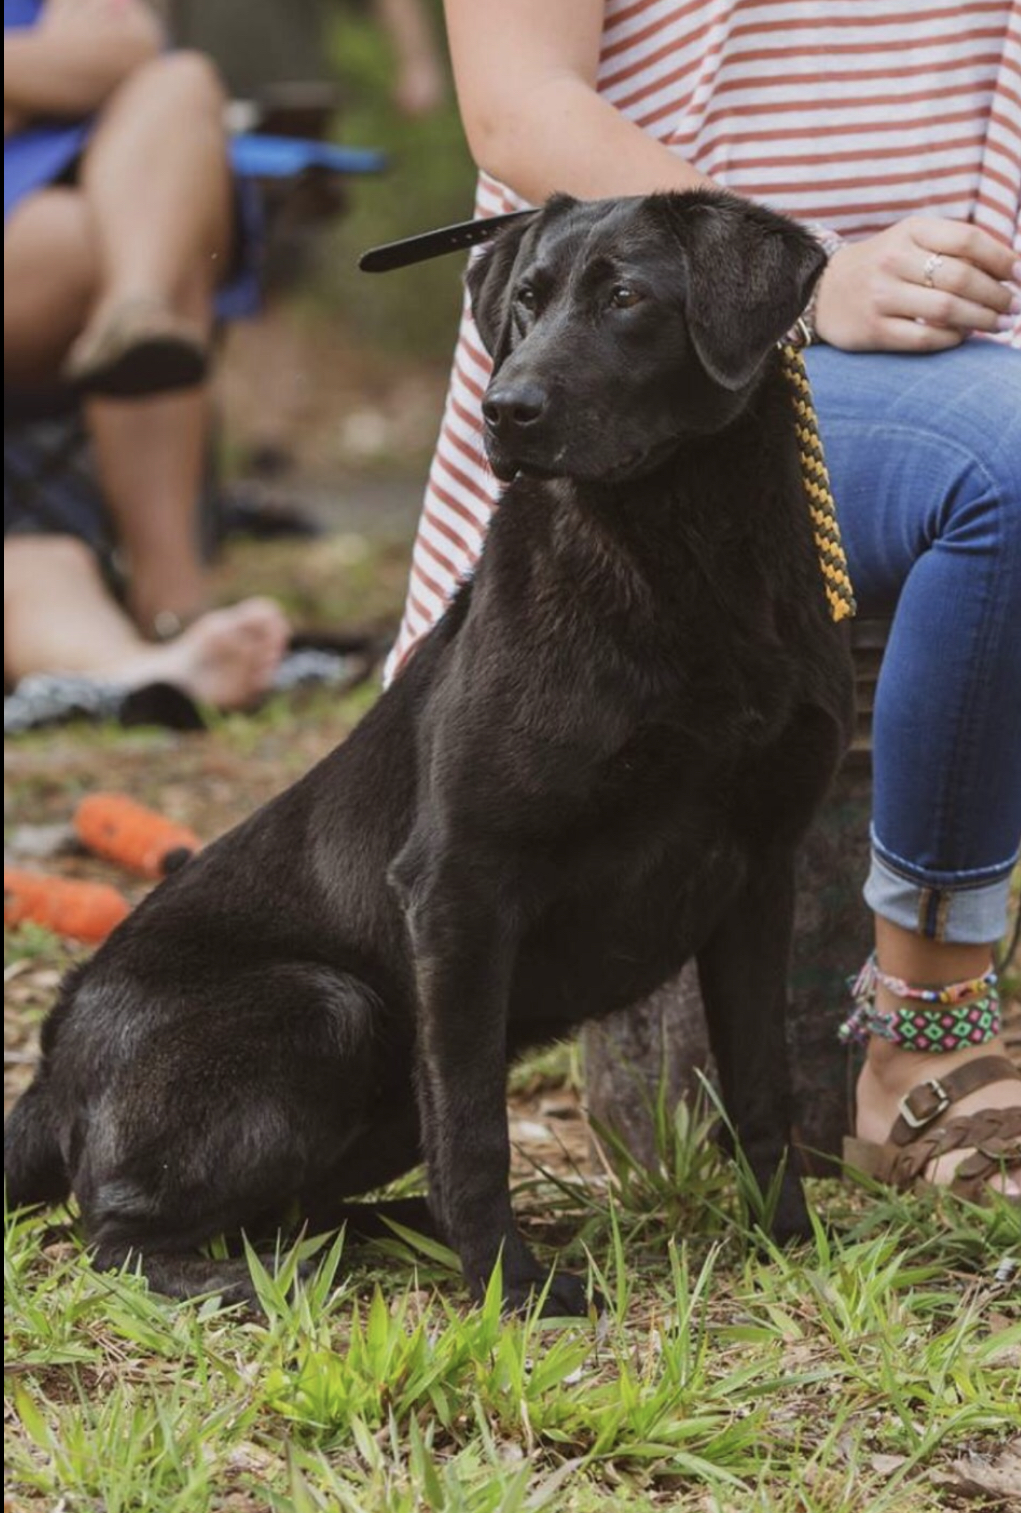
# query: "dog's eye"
526, 297
623, 295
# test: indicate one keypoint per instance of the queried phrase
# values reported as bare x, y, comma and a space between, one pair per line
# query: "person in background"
902, 150
121, 222
263, 46
420, 81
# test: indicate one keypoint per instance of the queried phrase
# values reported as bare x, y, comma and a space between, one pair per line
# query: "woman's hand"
920, 286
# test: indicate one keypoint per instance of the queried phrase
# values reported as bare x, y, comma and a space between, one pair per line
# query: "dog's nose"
513, 408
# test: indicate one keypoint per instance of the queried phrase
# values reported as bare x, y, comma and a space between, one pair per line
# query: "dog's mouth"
507, 465
512, 470
636, 463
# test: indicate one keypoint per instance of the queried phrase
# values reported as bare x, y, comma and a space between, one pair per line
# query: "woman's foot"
137, 347
226, 658
891, 1072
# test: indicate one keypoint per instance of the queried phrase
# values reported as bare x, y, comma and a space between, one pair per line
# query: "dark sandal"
993, 1135
143, 349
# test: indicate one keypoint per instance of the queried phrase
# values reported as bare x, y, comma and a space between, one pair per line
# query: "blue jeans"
924, 454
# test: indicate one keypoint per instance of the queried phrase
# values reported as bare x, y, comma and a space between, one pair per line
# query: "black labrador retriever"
596, 766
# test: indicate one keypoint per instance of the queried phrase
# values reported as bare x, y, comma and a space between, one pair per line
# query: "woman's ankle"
896, 1069
890, 1072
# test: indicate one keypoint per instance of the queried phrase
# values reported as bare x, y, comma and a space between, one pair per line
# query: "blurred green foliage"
430, 181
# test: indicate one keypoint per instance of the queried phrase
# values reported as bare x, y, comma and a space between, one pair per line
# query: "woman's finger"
955, 276
952, 278
938, 307
935, 236
900, 335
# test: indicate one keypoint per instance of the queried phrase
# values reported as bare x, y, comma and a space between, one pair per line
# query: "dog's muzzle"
514, 415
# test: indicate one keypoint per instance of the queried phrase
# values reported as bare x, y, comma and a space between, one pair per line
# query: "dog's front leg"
743, 976
464, 942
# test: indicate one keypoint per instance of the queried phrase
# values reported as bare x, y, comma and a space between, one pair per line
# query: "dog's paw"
791, 1223
566, 1297
240, 1292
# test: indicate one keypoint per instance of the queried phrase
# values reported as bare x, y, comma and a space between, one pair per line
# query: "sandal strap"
930, 1099
991, 1135
996, 1154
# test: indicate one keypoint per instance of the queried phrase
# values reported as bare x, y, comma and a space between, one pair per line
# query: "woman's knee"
50, 230
187, 80
983, 512
51, 273
969, 420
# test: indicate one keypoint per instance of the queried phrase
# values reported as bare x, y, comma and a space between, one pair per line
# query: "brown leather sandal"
993, 1135
143, 348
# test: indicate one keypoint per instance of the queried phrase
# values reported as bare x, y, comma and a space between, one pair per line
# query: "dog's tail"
34, 1169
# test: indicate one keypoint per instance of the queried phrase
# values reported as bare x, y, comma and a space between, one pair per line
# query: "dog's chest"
657, 807
618, 908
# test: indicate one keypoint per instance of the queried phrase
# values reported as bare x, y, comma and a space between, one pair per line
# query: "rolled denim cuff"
969, 910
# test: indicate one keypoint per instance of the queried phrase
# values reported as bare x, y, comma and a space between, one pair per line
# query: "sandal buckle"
941, 1102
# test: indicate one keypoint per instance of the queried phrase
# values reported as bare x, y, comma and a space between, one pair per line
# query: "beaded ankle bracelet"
934, 1019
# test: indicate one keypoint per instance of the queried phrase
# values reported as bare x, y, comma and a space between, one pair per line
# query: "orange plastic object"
115, 827
65, 905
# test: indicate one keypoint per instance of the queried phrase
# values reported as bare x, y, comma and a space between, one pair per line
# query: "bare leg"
890, 1071
162, 236
150, 455
58, 617
156, 181
151, 219
51, 277
149, 452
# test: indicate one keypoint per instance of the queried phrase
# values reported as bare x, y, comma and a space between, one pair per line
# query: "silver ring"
931, 268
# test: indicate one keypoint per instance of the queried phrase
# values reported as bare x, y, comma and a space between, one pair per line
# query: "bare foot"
226, 658
890, 1072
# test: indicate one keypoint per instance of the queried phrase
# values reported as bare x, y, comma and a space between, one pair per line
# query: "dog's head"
618, 328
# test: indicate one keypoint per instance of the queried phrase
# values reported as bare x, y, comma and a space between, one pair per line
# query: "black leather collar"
418, 249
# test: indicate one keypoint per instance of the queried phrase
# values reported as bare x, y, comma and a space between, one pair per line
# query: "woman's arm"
525, 72
76, 56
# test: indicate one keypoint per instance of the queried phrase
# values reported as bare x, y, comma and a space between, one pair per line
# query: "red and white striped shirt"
849, 113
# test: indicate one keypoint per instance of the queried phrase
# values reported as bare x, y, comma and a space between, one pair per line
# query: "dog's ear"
750, 273
489, 280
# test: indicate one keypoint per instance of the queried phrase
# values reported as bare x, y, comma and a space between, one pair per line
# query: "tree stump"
626, 1055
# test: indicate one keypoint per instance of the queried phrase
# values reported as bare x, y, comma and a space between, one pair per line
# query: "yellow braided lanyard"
825, 529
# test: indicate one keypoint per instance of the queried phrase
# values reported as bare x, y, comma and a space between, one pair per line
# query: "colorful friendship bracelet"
955, 1014
872, 976
944, 1027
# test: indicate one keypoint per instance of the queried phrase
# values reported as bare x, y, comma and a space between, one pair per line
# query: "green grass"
723, 1374
875, 1370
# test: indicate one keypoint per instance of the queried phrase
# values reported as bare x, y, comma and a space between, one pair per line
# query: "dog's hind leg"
743, 976
183, 1276
389, 1148
160, 1237
193, 1139
384, 1152
34, 1170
